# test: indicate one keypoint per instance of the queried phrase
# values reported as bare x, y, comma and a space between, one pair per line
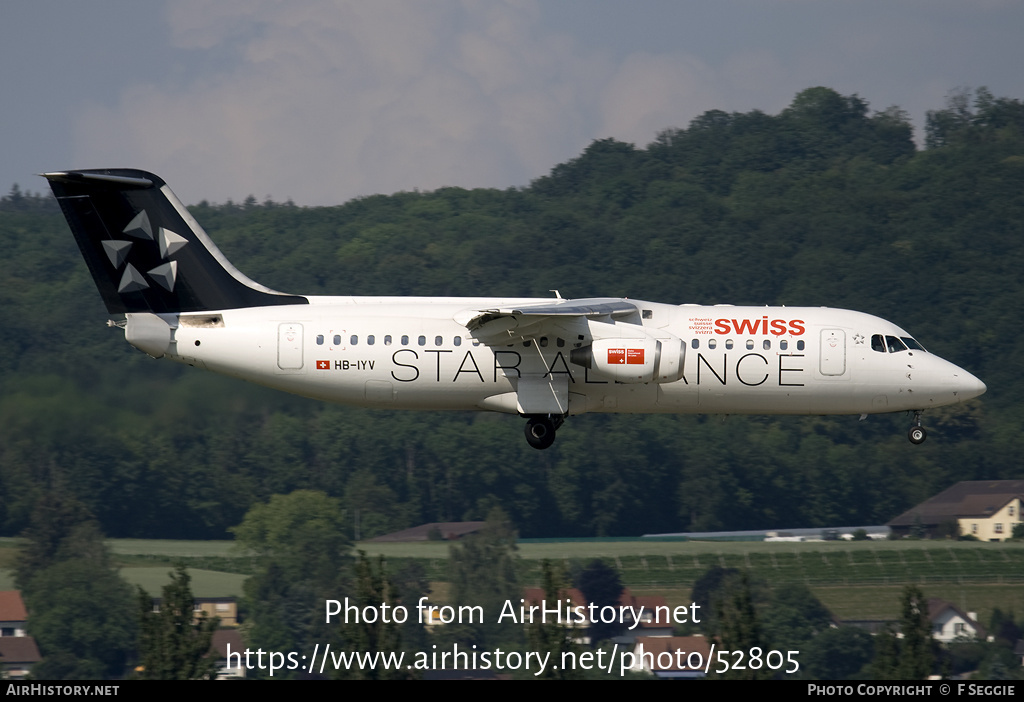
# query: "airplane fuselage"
411, 353
544, 359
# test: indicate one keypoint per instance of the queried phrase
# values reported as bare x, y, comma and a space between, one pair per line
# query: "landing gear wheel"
540, 432
917, 435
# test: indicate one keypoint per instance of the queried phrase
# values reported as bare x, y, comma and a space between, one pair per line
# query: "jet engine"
633, 360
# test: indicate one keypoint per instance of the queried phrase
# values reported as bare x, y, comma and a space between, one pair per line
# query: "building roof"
657, 613
969, 498
223, 637
18, 649
449, 531
12, 608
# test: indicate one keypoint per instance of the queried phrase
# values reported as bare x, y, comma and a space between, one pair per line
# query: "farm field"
856, 580
654, 564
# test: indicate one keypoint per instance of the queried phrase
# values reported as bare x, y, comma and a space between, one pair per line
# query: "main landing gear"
540, 429
917, 434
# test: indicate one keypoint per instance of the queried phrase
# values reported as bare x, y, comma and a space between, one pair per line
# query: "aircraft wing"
511, 324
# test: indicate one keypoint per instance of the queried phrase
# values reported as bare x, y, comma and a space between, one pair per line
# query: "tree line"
825, 203
88, 626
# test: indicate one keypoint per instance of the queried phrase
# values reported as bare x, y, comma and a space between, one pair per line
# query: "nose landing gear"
540, 430
917, 434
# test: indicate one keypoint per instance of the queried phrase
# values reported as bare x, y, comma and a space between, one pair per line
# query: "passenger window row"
766, 344
371, 339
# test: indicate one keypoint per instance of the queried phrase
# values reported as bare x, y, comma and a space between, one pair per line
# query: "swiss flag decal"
323, 365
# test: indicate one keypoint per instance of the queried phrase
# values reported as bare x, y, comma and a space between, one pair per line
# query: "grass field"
856, 580
654, 564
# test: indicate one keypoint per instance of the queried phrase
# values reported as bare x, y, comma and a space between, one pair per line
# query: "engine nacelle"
633, 360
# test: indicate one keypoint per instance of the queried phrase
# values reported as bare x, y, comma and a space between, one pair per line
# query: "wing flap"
509, 324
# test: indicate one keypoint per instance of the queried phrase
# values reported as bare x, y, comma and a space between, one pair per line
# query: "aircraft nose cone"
969, 386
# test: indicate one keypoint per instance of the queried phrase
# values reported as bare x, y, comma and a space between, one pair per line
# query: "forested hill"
825, 203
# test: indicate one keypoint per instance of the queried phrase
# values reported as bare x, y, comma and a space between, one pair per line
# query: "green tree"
917, 656
553, 638
999, 664
303, 532
601, 586
837, 654
793, 617
300, 549
886, 662
61, 528
81, 616
373, 591
738, 625
1004, 628
413, 584
912, 656
79, 611
706, 591
483, 574
175, 643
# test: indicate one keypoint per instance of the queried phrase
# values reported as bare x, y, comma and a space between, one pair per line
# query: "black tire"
540, 432
917, 435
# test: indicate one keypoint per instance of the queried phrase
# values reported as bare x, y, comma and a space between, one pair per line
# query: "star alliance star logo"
118, 251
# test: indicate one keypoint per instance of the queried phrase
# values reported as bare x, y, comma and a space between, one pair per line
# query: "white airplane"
543, 359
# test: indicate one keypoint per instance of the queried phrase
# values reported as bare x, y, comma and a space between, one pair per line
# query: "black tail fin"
145, 250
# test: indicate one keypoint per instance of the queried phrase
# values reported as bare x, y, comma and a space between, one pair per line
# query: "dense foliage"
175, 642
825, 203
79, 606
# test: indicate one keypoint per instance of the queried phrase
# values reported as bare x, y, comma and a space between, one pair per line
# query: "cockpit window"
894, 344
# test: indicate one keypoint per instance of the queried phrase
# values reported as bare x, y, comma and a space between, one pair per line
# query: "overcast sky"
325, 100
